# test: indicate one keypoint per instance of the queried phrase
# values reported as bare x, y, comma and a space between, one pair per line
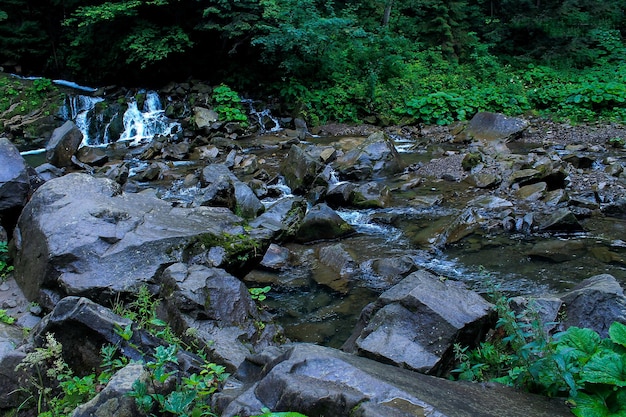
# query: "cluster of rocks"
87, 238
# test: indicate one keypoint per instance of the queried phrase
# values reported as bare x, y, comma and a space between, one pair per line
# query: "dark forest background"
382, 61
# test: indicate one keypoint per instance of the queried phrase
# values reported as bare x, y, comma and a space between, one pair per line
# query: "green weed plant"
576, 363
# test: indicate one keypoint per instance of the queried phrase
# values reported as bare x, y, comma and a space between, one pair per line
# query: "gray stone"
317, 381
376, 156
415, 323
494, 126
114, 400
322, 223
81, 236
561, 220
63, 144
595, 303
14, 180
300, 169
204, 117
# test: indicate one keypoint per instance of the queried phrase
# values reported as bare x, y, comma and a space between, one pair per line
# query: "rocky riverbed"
381, 241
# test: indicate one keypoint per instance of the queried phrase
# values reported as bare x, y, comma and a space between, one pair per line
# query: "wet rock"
341, 263
175, 151
557, 250
87, 326
276, 257
300, 169
483, 179
14, 178
79, 235
282, 219
203, 117
532, 192
91, 155
615, 208
316, 380
115, 399
217, 177
595, 303
339, 194
10, 337
220, 306
220, 193
63, 144
561, 220
415, 323
371, 195
393, 270
494, 126
376, 156
578, 161
322, 223
466, 223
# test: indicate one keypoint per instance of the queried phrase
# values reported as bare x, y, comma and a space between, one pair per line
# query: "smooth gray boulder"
320, 381
63, 144
416, 322
494, 126
14, 179
81, 235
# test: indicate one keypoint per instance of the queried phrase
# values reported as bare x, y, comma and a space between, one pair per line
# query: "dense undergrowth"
576, 363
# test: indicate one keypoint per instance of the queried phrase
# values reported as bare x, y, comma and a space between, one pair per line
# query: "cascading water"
79, 109
150, 121
138, 125
264, 117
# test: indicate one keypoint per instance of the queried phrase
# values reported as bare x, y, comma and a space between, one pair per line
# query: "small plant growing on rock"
617, 142
259, 294
5, 268
6, 318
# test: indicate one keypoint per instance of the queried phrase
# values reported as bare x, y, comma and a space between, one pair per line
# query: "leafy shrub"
5, 268
228, 104
576, 363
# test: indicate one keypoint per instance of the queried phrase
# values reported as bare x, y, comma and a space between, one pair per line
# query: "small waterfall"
79, 109
141, 125
138, 124
264, 117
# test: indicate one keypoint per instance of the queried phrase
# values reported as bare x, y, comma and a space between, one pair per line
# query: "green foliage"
5, 268
576, 363
228, 104
6, 318
259, 294
617, 142
52, 384
190, 397
151, 44
268, 413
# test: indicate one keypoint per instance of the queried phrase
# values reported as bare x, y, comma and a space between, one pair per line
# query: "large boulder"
217, 178
322, 223
416, 322
219, 309
14, 178
595, 303
376, 156
320, 381
63, 144
486, 126
300, 169
81, 235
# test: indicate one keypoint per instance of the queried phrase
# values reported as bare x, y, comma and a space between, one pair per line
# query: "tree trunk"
387, 13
